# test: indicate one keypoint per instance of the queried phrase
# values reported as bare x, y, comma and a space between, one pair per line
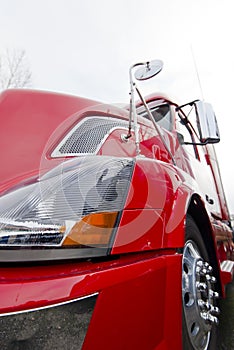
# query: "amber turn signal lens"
94, 229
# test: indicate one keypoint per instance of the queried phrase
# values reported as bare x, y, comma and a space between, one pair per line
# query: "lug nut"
213, 319
210, 269
213, 279
202, 287
213, 294
215, 310
204, 271
201, 304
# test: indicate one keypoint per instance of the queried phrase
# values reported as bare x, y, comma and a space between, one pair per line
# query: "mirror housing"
206, 123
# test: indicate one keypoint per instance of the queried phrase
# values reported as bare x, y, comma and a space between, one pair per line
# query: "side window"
161, 114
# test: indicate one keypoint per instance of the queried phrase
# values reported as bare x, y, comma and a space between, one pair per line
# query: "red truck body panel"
32, 117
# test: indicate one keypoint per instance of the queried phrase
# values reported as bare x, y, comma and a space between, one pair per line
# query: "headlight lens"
70, 213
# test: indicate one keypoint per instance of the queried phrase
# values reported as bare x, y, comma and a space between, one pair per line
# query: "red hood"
27, 121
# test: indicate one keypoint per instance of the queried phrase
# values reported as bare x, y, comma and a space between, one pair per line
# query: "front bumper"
137, 304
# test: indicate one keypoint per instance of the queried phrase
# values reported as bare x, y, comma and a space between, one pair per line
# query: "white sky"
85, 47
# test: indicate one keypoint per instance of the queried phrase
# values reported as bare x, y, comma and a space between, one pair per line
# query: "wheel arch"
197, 211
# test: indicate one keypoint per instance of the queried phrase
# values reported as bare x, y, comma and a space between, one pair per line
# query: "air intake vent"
88, 136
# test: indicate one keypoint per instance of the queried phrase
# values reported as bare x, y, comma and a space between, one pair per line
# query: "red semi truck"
114, 228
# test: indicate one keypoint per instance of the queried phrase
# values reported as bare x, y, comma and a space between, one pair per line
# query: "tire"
198, 293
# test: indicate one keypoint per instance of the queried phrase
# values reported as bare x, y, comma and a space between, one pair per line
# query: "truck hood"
28, 122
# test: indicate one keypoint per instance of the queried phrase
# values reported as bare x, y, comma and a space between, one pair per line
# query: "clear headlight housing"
71, 212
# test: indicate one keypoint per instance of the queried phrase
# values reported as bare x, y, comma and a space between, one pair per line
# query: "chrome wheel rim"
198, 296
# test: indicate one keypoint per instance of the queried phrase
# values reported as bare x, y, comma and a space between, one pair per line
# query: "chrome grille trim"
88, 136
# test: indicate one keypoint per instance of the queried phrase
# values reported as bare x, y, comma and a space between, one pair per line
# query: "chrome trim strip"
14, 254
48, 306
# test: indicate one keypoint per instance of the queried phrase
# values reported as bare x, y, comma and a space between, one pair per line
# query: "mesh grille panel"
88, 135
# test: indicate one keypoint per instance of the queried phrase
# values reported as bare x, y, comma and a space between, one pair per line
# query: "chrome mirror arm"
132, 112
155, 125
144, 73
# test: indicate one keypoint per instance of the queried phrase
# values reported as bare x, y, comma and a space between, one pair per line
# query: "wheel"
198, 293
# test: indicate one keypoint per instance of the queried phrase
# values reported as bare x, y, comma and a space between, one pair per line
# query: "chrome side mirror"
206, 123
148, 69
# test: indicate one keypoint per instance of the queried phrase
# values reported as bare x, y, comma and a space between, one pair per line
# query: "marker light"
71, 212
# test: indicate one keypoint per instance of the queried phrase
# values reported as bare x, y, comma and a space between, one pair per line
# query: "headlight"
71, 212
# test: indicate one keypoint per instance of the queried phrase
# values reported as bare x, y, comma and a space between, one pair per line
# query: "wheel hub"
198, 296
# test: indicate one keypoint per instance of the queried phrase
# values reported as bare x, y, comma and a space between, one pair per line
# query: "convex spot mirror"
149, 70
206, 123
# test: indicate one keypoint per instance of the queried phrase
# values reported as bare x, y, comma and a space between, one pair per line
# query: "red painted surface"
150, 297
139, 285
28, 121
